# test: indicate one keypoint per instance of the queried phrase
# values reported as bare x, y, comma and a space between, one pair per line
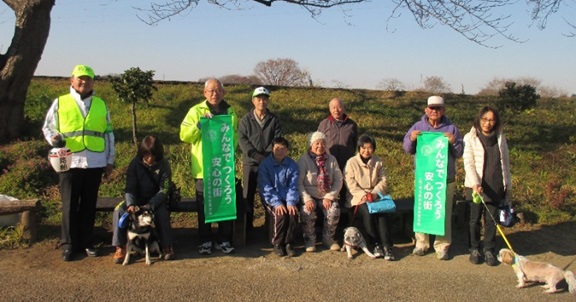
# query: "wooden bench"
403, 216
29, 209
107, 204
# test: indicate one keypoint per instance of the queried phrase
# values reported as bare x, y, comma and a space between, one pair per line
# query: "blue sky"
353, 48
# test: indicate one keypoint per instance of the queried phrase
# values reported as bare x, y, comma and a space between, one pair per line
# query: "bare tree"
18, 64
552, 92
493, 87
281, 72
391, 84
477, 20
435, 84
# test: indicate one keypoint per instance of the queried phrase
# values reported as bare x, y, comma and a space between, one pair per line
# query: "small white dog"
532, 271
353, 239
141, 233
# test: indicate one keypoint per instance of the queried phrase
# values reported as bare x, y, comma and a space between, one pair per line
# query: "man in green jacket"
190, 132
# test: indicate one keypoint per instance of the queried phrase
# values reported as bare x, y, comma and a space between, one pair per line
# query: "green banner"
430, 183
219, 170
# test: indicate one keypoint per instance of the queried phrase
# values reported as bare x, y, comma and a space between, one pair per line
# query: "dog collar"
352, 245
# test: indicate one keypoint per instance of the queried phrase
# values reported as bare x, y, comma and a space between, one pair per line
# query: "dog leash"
497, 225
516, 260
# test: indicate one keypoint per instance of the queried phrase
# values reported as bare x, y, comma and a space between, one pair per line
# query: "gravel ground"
254, 273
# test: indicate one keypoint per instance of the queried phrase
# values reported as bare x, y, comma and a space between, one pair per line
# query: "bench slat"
108, 204
18, 206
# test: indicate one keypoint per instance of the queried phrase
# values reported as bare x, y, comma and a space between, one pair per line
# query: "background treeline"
542, 138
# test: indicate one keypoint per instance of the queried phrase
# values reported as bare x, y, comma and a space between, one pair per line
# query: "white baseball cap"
435, 101
260, 91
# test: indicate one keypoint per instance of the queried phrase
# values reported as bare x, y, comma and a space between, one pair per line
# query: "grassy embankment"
542, 141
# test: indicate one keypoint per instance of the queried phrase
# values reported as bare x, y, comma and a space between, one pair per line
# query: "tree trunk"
18, 64
134, 129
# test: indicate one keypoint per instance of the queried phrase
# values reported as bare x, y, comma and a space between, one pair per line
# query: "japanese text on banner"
219, 169
430, 183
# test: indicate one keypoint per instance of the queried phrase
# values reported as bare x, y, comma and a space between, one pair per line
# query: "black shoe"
289, 250
67, 255
279, 250
91, 252
489, 258
388, 255
475, 257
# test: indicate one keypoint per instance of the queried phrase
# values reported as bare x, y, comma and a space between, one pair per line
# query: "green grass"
542, 140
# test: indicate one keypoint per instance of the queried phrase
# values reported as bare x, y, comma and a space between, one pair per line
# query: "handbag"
174, 196
384, 204
506, 215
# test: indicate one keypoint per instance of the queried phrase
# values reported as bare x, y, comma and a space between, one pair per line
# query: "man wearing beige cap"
434, 120
257, 129
81, 121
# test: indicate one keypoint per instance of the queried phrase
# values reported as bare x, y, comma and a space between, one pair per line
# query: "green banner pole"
430, 183
219, 170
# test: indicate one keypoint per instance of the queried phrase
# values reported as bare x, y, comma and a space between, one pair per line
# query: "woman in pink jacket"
365, 178
487, 166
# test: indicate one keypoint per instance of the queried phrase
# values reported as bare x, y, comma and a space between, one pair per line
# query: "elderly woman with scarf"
319, 183
487, 166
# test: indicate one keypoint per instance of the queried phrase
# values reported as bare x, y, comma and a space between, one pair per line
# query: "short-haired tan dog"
532, 271
353, 239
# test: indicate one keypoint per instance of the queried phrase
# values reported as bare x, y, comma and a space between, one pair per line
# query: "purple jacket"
454, 150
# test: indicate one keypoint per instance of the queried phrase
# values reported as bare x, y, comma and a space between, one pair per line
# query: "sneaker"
168, 253
279, 250
205, 248
310, 246
489, 258
225, 247
388, 256
418, 252
442, 255
120, 254
289, 250
378, 252
475, 257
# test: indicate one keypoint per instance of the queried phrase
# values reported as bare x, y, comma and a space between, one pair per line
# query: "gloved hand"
58, 141
476, 198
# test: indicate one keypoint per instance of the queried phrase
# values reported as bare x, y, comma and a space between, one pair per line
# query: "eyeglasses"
436, 108
485, 120
212, 91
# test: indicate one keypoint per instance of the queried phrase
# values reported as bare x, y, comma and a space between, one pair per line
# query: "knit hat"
435, 101
316, 136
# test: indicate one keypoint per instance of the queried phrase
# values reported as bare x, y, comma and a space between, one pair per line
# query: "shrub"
517, 98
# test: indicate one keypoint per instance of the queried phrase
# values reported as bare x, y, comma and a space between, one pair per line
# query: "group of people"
339, 169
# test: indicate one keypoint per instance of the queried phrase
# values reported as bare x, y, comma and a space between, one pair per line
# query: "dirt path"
254, 273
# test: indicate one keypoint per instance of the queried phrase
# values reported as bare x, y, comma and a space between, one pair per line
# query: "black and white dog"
141, 233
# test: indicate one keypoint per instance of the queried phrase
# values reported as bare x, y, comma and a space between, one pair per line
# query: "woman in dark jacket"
148, 181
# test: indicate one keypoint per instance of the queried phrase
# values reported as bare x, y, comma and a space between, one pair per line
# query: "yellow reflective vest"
82, 133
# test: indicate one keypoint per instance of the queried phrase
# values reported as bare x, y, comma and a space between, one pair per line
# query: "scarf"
323, 178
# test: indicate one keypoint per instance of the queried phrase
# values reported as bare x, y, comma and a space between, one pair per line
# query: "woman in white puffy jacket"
487, 166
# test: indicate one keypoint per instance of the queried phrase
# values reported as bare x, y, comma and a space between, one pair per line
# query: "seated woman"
319, 183
278, 186
148, 180
365, 178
